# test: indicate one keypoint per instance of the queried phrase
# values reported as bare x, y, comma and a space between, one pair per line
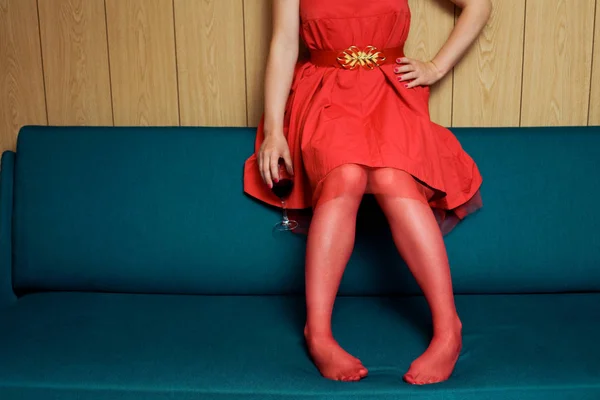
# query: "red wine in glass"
282, 189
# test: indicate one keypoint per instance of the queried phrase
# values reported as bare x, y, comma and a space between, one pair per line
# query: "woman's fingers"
404, 68
403, 60
413, 83
415, 72
261, 164
267, 172
265, 167
407, 68
269, 157
409, 76
288, 162
274, 166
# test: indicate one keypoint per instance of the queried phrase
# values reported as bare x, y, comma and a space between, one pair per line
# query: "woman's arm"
474, 16
283, 55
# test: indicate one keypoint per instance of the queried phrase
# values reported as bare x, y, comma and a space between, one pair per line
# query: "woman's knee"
349, 180
396, 183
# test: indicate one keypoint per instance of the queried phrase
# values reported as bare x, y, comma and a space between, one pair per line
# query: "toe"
363, 372
428, 380
417, 377
352, 376
412, 379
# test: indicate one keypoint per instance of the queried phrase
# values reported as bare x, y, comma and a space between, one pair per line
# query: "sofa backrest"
161, 210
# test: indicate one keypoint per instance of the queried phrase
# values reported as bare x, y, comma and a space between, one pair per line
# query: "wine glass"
283, 189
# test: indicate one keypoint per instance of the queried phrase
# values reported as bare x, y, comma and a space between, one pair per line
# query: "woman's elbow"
483, 8
486, 9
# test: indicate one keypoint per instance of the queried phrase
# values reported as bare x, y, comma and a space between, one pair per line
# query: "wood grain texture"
556, 69
210, 62
487, 81
22, 100
75, 58
166, 73
594, 114
141, 42
258, 26
431, 24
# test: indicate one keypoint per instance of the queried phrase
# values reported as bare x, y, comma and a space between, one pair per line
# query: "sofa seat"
71, 345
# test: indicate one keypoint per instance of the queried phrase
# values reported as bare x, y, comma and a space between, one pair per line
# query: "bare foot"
438, 361
332, 361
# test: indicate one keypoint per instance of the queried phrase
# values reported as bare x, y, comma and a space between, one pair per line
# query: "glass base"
286, 226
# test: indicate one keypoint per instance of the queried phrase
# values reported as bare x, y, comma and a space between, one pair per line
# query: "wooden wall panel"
432, 22
487, 81
556, 69
141, 42
594, 117
161, 62
257, 22
210, 62
22, 100
75, 57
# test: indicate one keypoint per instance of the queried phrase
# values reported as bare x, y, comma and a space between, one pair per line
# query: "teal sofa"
132, 266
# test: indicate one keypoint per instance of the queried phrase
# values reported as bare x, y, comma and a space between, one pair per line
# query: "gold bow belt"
370, 57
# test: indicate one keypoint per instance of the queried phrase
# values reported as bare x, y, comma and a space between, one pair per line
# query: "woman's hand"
417, 72
274, 148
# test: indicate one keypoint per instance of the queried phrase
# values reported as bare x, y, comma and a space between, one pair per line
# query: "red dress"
361, 116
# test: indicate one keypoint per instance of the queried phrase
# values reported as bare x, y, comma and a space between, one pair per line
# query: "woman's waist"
352, 57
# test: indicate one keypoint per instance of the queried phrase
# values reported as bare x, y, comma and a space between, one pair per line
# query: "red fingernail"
276, 180
406, 86
398, 60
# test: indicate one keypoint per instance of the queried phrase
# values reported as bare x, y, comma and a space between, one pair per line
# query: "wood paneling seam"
523, 65
37, 7
454, 13
110, 83
245, 63
176, 63
594, 38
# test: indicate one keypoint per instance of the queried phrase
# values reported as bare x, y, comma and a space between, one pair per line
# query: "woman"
354, 119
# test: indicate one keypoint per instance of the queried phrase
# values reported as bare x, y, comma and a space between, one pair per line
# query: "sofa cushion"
161, 210
127, 346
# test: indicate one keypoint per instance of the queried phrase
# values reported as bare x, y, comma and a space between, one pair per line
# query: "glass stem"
286, 220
